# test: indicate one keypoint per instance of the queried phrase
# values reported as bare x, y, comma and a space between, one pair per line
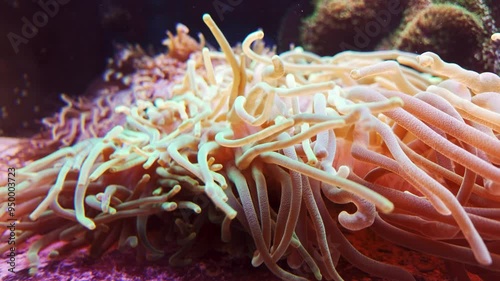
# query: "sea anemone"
280, 148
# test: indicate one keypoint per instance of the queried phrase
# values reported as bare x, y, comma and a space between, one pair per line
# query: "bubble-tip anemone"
276, 146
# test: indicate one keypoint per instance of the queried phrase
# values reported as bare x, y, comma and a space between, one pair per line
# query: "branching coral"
277, 147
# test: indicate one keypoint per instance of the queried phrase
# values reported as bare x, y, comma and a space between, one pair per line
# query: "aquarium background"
69, 53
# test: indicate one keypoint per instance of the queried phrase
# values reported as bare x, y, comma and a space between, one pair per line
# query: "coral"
275, 157
439, 27
459, 31
181, 46
330, 29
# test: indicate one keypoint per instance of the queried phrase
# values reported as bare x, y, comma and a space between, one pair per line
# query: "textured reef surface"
380, 165
458, 31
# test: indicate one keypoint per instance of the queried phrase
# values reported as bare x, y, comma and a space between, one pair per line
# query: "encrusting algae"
267, 145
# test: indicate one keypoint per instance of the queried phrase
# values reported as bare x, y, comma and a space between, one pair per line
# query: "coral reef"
459, 31
279, 158
439, 26
358, 25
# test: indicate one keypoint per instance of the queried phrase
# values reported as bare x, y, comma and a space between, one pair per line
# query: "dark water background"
70, 48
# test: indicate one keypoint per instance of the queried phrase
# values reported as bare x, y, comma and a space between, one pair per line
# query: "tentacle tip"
33, 271
53, 254
256, 259
231, 214
387, 207
355, 74
87, 223
206, 17
169, 206
318, 275
425, 60
485, 259
33, 216
321, 153
495, 37
492, 187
